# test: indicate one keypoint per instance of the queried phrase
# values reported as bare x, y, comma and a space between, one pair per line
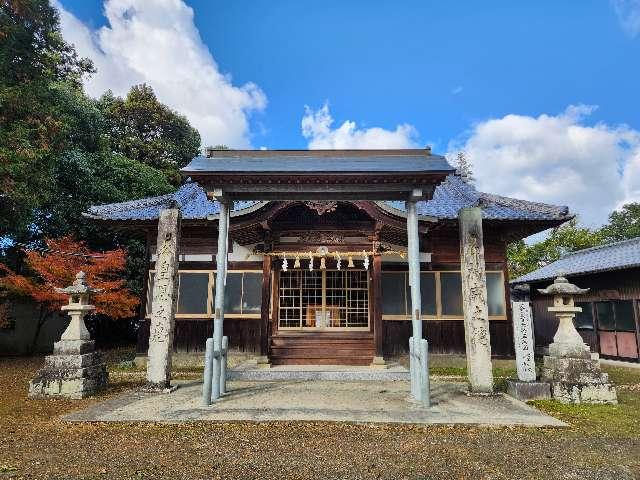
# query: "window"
441, 295
625, 321
451, 293
584, 319
394, 293
495, 294
428, 293
606, 319
243, 293
193, 293
196, 293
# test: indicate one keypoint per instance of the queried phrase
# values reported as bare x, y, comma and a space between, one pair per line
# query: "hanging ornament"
339, 264
323, 264
296, 263
285, 264
310, 261
366, 261
350, 263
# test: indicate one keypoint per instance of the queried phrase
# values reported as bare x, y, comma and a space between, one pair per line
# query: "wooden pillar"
474, 301
165, 299
265, 323
376, 294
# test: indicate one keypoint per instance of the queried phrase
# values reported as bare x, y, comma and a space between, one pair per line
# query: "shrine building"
317, 253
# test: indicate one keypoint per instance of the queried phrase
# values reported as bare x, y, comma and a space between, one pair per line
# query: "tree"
567, 238
58, 266
623, 224
36, 65
464, 167
143, 129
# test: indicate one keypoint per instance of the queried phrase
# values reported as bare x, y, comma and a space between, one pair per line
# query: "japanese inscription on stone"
523, 340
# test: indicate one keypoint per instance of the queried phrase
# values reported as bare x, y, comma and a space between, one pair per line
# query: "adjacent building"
609, 321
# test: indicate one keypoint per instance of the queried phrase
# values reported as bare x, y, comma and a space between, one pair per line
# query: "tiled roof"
191, 198
325, 161
614, 256
454, 193
449, 197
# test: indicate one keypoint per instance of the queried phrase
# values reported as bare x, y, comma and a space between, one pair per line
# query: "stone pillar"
165, 300
221, 281
523, 341
525, 387
474, 301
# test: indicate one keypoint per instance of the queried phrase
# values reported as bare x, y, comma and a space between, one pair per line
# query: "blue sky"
497, 79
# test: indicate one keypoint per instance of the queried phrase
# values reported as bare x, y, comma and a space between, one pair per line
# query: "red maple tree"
58, 266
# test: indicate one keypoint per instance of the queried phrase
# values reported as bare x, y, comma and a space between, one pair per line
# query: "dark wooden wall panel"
190, 335
445, 337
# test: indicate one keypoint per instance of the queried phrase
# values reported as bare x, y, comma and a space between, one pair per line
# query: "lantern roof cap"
79, 286
562, 286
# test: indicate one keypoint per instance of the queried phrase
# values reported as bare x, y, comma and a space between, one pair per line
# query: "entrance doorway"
329, 300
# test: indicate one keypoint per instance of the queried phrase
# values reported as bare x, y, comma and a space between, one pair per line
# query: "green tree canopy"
567, 238
36, 67
142, 128
623, 224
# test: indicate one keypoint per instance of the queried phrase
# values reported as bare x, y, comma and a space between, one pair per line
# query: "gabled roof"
252, 162
454, 193
614, 256
191, 198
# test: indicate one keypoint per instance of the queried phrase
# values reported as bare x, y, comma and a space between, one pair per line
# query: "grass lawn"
603, 442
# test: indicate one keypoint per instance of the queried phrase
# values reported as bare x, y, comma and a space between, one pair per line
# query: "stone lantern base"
75, 370
578, 380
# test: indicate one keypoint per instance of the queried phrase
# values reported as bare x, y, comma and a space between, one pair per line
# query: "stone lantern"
75, 369
573, 372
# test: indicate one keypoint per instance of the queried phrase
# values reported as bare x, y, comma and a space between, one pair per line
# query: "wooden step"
353, 360
322, 348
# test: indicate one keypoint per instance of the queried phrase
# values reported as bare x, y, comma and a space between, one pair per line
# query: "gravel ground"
603, 443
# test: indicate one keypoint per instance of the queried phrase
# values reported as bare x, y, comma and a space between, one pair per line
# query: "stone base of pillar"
158, 388
578, 380
526, 391
379, 363
75, 370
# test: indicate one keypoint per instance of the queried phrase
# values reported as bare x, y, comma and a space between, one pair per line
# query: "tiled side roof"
614, 256
191, 198
454, 193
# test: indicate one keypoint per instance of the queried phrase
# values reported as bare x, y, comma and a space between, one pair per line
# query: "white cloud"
557, 159
457, 90
628, 13
316, 128
157, 42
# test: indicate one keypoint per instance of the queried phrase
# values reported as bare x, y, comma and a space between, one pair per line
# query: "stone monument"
165, 301
525, 387
573, 372
75, 370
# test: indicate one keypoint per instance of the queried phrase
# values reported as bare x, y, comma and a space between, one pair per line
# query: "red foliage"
54, 269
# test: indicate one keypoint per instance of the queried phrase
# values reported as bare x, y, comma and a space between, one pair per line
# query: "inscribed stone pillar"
165, 299
523, 341
474, 301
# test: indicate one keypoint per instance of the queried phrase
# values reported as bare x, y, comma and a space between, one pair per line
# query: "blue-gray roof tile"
614, 256
191, 198
304, 161
454, 193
